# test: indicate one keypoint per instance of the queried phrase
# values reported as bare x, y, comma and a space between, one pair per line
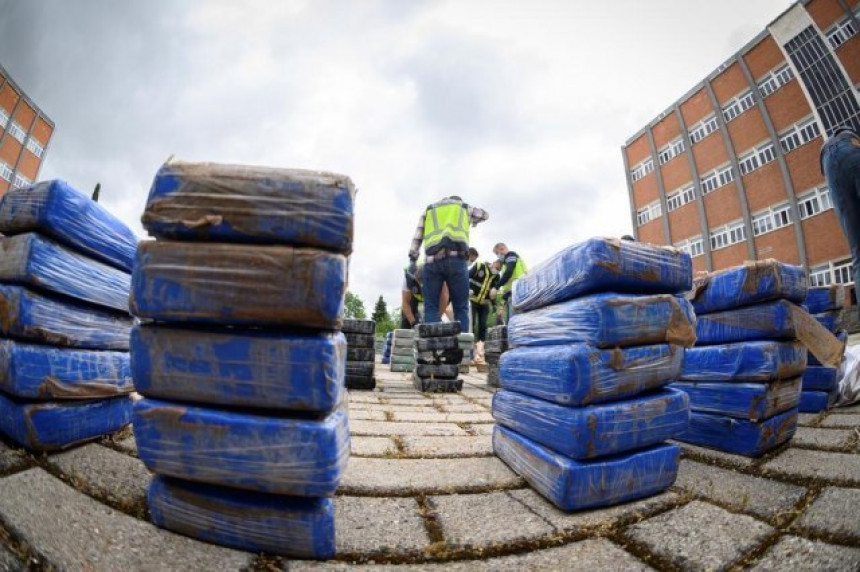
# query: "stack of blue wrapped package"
743, 376
360, 354
386, 350
819, 387
240, 359
598, 331
65, 266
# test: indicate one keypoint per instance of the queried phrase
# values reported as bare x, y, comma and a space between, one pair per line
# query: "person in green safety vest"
412, 296
513, 267
443, 228
481, 281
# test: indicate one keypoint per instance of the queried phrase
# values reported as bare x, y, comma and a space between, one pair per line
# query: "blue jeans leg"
458, 288
434, 277
842, 167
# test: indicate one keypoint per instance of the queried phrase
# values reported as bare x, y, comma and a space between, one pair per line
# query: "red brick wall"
763, 57
684, 222
780, 244
9, 151
722, 206
747, 130
849, 55
764, 187
652, 232
825, 13
666, 130
729, 83
637, 151
710, 152
699, 264
676, 172
824, 238
645, 191
731, 256
696, 108
787, 106
8, 97
804, 167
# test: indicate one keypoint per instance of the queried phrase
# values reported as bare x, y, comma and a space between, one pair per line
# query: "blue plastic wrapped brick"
843, 339
752, 401
28, 315
749, 361
604, 265
578, 485
238, 284
54, 425
750, 283
44, 372
597, 430
816, 401
33, 260
817, 378
300, 456
607, 320
580, 374
739, 436
297, 371
824, 298
830, 320
256, 522
240, 203
768, 321
55, 209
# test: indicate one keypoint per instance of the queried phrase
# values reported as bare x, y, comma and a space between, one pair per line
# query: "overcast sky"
519, 107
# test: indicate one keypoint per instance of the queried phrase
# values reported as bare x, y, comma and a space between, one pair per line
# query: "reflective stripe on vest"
484, 292
519, 270
446, 219
414, 286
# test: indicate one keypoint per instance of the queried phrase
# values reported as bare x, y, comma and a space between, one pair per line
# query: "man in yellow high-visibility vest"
443, 228
513, 267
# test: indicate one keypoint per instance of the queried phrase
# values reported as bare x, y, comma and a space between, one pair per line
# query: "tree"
354, 307
384, 320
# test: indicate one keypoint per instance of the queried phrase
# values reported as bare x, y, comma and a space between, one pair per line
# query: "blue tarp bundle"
301, 371
749, 361
41, 318
54, 425
580, 374
816, 401
237, 284
55, 209
236, 203
38, 262
768, 321
271, 454
597, 430
818, 378
830, 320
750, 283
607, 320
44, 372
752, 401
739, 436
256, 522
824, 298
603, 265
577, 485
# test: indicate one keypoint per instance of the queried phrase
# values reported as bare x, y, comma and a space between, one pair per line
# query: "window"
837, 272
841, 32
5, 171
670, 151
17, 132
21, 181
799, 134
680, 198
35, 147
703, 129
4, 118
775, 79
772, 219
693, 246
716, 179
814, 202
842, 273
728, 235
649, 213
642, 169
738, 105
820, 276
754, 159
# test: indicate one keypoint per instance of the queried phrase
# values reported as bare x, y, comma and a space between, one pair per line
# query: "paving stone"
106, 474
429, 410
481, 428
438, 447
480, 520
745, 493
700, 536
127, 445
694, 451
847, 421
403, 476
12, 459
584, 556
834, 512
362, 397
385, 525
848, 410
465, 408
823, 465
9, 562
801, 555
823, 438
564, 521
385, 428
367, 415
74, 532
372, 446
808, 419
438, 416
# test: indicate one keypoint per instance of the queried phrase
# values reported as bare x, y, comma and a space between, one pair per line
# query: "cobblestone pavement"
423, 491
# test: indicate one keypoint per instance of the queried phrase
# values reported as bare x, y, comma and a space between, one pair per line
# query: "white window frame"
771, 219
642, 169
681, 197
4, 118
717, 178
756, 157
840, 33
814, 202
6, 171
17, 132
704, 128
843, 272
694, 246
821, 275
21, 181
738, 105
775, 79
35, 147
728, 235
648, 213
670, 151
799, 134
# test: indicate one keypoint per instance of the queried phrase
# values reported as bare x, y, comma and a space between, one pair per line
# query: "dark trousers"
453, 271
480, 314
404, 323
841, 161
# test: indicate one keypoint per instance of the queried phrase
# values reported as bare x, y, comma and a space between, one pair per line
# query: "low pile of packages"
402, 359
820, 383
438, 357
360, 354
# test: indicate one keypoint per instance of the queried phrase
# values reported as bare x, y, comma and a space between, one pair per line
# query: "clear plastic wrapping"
238, 284
751, 401
738, 436
33, 260
830, 320
768, 321
300, 456
597, 430
243, 368
43, 372
55, 209
824, 298
580, 374
607, 320
816, 401
55, 425
255, 522
28, 315
601, 265
750, 283
817, 378
748, 361
240, 203
577, 485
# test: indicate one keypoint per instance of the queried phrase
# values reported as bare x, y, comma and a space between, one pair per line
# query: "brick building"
730, 171
25, 132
